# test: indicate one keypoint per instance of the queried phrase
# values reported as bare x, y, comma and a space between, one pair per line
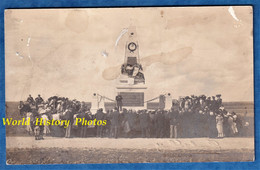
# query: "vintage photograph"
129, 85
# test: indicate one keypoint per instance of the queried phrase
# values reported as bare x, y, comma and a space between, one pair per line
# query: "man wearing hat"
219, 100
38, 100
30, 99
213, 104
119, 102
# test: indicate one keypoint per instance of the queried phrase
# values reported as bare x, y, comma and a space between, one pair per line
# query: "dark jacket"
69, 116
100, 115
159, 120
174, 117
144, 120
115, 118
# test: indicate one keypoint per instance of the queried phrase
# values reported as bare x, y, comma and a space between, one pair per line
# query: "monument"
131, 82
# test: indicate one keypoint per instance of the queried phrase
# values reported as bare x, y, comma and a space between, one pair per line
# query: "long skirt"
220, 130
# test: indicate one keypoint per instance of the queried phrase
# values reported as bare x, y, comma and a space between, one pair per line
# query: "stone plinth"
134, 95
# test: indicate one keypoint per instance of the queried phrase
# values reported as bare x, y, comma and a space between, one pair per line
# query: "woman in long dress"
219, 125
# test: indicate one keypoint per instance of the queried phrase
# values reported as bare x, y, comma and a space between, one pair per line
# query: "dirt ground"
25, 150
83, 156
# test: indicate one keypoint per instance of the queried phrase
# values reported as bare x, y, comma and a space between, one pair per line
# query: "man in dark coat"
83, 128
30, 99
144, 123
152, 124
213, 105
38, 100
166, 129
100, 116
119, 102
159, 120
173, 117
114, 123
219, 100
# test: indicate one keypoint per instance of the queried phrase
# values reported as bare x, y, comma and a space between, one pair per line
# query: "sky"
184, 51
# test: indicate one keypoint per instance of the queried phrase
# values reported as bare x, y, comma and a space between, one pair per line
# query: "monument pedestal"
134, 95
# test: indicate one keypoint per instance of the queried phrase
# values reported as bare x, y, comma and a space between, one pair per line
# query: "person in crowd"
144, 123
125, 128
232, 124
173, 117
219, 100
130, 121
159, 122
68, 115
119, 102
24, 108
152, 128
107, 128
224, 113
38, 128
30, 99
83, 128
100, 116
208, 102
219, 125
166, 129
212, 125
39, 100
213, 105
114, 123
191, 116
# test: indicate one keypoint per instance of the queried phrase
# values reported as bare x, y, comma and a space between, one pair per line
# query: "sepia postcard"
129, 85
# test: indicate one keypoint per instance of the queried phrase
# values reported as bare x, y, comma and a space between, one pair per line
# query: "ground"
25, 150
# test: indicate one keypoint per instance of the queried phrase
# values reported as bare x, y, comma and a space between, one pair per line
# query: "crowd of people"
190, 116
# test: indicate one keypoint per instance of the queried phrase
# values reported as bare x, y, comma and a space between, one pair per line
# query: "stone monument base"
134, 96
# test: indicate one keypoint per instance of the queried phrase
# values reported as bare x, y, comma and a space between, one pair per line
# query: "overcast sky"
193, 50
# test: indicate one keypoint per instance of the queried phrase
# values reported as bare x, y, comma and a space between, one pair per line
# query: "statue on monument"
132, 67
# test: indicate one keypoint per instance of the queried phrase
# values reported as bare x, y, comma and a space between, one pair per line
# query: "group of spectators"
55, 108
201, 116
190, 116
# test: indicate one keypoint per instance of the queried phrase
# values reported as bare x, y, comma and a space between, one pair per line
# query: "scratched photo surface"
154, 84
